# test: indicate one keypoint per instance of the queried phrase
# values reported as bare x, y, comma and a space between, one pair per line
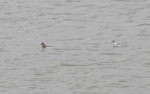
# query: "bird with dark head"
43, 45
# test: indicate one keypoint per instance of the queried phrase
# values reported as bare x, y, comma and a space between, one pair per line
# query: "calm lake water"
81, 58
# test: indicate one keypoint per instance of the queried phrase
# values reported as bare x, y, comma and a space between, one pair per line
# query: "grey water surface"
81, 58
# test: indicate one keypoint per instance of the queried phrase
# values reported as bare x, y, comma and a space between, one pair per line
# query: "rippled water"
81, 59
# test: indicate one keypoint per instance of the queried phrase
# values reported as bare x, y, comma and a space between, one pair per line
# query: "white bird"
115, 44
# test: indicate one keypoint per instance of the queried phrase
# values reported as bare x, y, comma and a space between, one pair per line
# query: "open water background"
81, 59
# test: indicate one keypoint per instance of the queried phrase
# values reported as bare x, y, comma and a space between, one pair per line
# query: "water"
81, 59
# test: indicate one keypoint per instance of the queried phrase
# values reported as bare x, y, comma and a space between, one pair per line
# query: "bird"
115, 44
43, 45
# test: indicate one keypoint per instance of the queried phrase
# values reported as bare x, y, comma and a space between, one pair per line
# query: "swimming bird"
115, 44
43, 45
